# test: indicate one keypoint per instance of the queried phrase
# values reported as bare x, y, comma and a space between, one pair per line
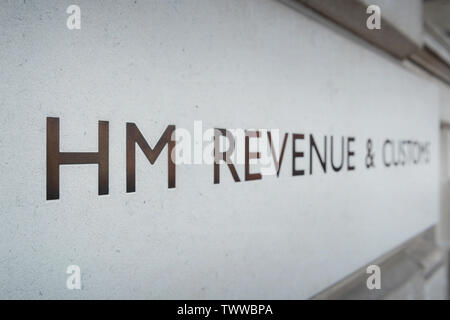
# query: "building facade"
256, 149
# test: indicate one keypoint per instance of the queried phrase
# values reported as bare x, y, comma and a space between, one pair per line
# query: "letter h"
55, 158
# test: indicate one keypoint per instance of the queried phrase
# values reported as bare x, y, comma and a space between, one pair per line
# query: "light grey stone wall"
417, 269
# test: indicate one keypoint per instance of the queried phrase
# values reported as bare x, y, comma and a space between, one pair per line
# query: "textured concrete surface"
406, 15
415, 270
436, 285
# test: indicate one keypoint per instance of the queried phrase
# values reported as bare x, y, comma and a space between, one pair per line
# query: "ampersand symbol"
370, 155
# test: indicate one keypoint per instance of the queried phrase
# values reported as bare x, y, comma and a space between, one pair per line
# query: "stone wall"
418, 269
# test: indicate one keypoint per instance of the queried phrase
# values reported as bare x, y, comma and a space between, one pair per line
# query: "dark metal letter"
323, 162
223, 155
295, 154
251, 155
135, 136
55, 158
277, 162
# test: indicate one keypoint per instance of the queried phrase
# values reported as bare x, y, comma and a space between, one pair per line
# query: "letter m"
135, 136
